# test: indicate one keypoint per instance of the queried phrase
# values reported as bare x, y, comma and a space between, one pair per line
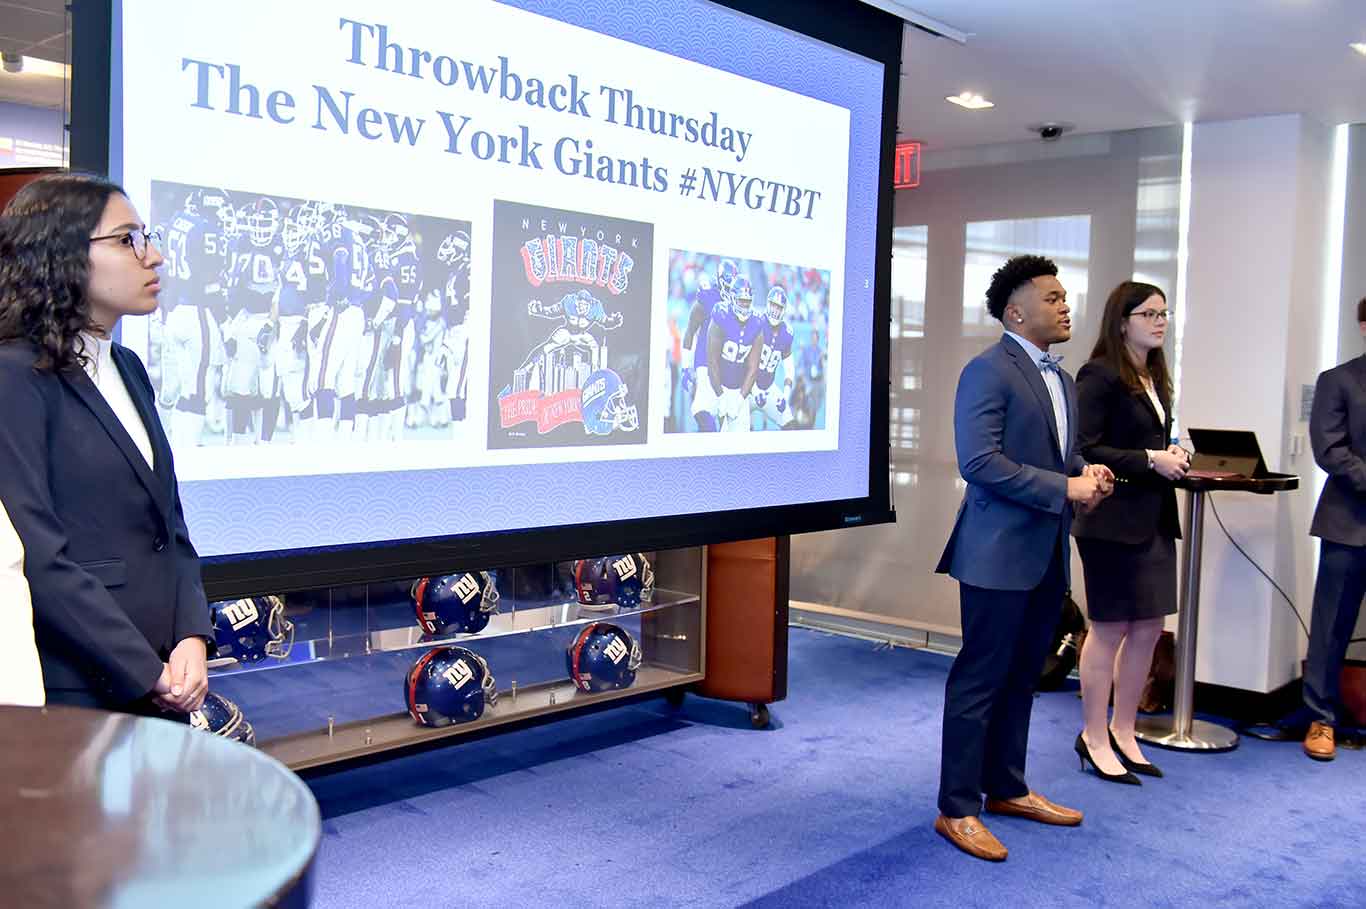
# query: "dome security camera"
1051, 132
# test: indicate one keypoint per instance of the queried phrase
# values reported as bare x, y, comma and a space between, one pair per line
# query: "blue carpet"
651, 806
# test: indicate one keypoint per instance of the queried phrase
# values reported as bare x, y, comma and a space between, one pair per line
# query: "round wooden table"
109, 810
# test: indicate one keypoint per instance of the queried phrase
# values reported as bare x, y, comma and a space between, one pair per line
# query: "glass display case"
327, 679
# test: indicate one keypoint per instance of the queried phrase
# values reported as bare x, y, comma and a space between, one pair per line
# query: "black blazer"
114, 578
1117, 425
1337, 430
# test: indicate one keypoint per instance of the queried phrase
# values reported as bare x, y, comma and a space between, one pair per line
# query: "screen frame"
858, 28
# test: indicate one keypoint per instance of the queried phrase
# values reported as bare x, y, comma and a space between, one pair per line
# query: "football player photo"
302, 321
747, 351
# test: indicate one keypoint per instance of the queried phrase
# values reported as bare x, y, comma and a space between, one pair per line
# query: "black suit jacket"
1337, 430
1117, 426
114, 578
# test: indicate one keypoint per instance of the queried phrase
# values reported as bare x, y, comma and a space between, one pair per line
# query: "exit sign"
906, 165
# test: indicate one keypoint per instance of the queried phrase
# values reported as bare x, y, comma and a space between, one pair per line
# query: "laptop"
1226, 454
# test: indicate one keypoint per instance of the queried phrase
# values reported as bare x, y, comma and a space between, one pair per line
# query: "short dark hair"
1361, 310
45, 264
1011, 276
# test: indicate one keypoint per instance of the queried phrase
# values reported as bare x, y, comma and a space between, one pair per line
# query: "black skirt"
1126, 582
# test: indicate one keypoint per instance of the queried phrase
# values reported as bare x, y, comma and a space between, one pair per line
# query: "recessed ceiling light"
34, 67
970, 101
1359, 47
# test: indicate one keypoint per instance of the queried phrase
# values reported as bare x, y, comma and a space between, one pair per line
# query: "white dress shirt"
21, 675
1052, 379
1157, 402
102, 371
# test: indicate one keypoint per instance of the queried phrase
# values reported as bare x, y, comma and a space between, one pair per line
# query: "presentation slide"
442, 269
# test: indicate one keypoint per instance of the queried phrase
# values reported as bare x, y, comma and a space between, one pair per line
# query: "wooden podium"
746, 632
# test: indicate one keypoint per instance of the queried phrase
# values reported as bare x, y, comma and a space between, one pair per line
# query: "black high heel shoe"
1136, 766
1085, 754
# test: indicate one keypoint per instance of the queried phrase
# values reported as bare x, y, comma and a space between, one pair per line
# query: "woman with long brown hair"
1128, 542
118, 606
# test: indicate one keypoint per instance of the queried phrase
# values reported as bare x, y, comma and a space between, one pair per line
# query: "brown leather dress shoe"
969, 834
1319, 743
1034, 807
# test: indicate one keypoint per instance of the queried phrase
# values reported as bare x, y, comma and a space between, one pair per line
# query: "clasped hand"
1091, 488
1172, 464
184, 678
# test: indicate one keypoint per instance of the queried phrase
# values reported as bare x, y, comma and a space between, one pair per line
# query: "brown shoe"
1319, 744
970, 835
1034, 807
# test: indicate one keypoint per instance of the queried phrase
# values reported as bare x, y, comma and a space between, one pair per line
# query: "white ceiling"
1101, 64
1123, 64
33, 28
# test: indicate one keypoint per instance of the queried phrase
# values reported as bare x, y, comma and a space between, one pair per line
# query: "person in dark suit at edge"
1128, 543
1337, 431
1014, 423
86, 475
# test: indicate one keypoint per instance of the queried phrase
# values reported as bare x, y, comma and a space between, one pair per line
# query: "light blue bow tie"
1049, 361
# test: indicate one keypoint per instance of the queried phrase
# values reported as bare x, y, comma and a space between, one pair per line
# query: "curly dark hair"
1013, 275
1124, 299
45, 264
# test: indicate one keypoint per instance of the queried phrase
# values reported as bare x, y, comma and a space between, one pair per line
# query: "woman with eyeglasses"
1128, 542
86, 474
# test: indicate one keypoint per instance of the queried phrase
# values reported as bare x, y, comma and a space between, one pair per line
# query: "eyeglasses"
137, 240
1152, 315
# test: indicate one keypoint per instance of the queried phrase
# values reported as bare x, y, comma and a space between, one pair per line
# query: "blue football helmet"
726, 273
455, 603
603, 657
777, 304
449, 685
741, 298
221, 716
607, 405
252, 628
624, 581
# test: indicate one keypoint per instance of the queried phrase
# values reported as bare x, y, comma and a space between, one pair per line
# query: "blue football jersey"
352, 268
196, 253
303, 280
404, 268
777, 346
707, 298
740, 337
255, 268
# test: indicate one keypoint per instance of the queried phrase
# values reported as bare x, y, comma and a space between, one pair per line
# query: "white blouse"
109, 381
21, 675
1157, 402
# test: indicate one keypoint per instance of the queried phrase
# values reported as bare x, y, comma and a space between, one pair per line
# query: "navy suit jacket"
1015, 510
114, 577
1337, 431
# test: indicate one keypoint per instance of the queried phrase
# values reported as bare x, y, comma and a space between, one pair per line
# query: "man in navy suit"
1014, 423
1337, 430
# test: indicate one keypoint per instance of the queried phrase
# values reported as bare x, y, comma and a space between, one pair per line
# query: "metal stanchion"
1182, 730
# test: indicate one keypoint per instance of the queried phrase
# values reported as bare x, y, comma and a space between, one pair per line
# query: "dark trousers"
990, 690
1338, 589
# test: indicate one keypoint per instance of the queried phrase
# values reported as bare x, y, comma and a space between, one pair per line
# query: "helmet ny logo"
241, 613
466, 588
615, 651
625, 567
458, 674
